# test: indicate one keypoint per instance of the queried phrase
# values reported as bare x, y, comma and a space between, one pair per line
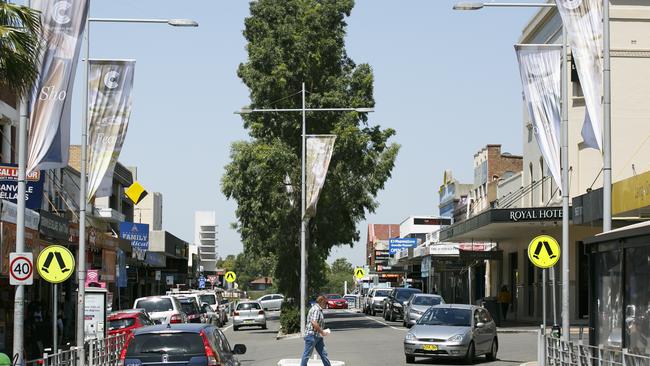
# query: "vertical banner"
319, 154
540, 69
110, 85
583, 21
63, 23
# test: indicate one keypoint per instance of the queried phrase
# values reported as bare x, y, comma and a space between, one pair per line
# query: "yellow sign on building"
136, 192
631, 194
55, 264
544, 251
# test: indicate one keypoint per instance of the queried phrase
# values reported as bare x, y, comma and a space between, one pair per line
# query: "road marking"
378, 321
226, 328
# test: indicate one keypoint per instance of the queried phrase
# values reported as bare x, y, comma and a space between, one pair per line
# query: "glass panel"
637, 300
120, 323
155, 305
248, 306
447, 316
186, 344
608, 299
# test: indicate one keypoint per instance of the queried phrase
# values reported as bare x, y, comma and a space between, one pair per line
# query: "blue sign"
397, 244
9, 186
122, 276
201, 282
137, 234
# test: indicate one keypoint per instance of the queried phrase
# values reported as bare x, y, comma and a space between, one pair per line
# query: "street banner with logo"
319, 154
539, 67
583, 21
9, 186
110, 85
63, 23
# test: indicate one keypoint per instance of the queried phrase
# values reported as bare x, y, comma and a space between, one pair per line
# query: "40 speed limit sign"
21, 269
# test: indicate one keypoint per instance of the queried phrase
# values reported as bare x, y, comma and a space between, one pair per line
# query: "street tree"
20, 28
340, 271
290, 42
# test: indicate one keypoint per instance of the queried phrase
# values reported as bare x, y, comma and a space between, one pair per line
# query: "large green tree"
290, 42
19, 47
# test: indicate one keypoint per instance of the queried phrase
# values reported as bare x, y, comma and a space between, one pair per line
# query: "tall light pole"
607, 123
564, 157
303, 220
81, 260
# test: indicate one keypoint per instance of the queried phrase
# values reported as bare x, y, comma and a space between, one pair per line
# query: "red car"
126, 322
335, 301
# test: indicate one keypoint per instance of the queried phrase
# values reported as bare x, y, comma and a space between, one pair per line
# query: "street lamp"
564, 162
303, 220
81, 260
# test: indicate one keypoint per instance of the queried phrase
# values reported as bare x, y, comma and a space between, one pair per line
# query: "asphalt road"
362, 340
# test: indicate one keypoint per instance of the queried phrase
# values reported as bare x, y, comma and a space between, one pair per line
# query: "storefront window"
637, 300
609, 301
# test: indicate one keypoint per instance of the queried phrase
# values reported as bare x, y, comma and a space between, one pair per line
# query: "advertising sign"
95, 314
9, 186
397, 244
137, 234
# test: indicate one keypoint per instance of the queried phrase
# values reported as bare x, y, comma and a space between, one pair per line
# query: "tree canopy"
291, 42
20, 28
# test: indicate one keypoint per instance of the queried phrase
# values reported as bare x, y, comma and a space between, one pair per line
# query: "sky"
446, 81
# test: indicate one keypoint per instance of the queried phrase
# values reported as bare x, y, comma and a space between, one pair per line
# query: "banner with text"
397, 244
9, 186
583, 21
63, 23
110, 85
539, 67
137, 234
319, 154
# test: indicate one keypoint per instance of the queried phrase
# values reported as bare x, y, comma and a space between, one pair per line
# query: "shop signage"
9, 186
156, 259
53, 226
9, 213
381, 244
425, 266
137, 234
384, 268
397, 244
469, 256
530, 214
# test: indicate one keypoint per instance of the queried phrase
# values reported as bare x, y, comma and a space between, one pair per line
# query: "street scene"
324, 182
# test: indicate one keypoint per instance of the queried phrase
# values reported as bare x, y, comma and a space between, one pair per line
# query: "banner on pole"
110, 85
319, 154
539, 67
63, 23
583, 21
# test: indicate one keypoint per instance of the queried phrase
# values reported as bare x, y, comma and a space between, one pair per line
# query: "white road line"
226, 328
379, 321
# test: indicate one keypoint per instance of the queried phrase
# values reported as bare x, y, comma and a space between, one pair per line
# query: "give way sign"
21, 269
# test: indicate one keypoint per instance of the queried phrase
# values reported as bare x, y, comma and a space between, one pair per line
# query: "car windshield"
426, 300
404, 294
155, 305
447, 316
332, 297
248, 306
186, 344
209, 299
189, 307
120, 323
383, 293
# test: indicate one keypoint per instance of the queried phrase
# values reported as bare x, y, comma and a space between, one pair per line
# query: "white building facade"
205, 240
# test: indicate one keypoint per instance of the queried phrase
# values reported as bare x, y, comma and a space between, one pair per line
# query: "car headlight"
456, 338
410, 336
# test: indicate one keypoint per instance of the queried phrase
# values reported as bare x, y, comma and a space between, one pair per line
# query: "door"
482, 336
277, 302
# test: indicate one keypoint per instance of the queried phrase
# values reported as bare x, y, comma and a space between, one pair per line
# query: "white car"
248, 313
271, 302
162, 309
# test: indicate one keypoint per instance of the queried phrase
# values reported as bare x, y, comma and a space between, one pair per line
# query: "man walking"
314, 332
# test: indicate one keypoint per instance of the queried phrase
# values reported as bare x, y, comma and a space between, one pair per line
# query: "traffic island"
312, 362
281, 335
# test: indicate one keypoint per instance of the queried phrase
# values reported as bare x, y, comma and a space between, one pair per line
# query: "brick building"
491, 165
377, 244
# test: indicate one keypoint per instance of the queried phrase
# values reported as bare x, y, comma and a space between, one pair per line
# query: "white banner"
110, 84
540, 70
319, 153
63, 23
583, 21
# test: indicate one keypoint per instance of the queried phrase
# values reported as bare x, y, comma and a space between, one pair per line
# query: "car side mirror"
239, 349
480, 325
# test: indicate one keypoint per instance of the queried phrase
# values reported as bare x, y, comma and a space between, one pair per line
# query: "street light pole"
607, 123
303, 220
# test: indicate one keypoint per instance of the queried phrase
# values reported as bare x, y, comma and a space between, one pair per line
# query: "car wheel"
471, 352
264, 327
492, 356
410, 359
235, 328
391, 316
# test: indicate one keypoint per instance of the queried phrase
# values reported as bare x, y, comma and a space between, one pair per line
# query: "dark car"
394, 303
191, 308
180, 345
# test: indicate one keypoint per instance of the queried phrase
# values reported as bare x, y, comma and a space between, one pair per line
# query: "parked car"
214, 298
271, 302
353, 300
248, 313
366, 303
125, 322
335, 301
396, 301
209, 316
377, 300
416, 305
455, 331
191, 308
180, 344
163, 309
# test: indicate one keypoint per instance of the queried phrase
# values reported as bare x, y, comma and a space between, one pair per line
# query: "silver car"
377, 300
456, 331
271, 302
416, 305
248, 313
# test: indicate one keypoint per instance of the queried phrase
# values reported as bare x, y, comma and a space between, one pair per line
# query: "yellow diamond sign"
359, 273
136, 192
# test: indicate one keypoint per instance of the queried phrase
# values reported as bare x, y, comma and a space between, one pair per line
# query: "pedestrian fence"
99, 352
558, 352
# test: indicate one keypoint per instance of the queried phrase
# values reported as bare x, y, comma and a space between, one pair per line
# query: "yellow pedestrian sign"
230, 276
55, 264
544, 251
359, 273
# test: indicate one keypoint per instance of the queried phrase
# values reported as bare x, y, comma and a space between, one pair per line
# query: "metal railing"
99, 352
557, 352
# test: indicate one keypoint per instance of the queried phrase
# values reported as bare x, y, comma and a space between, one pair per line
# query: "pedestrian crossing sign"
55, 264
231, 276
359, 273
544, 251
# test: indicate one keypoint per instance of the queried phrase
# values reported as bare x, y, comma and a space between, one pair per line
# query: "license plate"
430, 347
248, 321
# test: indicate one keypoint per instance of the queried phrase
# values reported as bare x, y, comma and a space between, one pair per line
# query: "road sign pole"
544, 300
55, 318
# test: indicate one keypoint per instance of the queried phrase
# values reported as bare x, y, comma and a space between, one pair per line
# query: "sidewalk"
511, 326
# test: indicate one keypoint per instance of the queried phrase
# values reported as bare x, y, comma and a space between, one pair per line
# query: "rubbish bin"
491, 304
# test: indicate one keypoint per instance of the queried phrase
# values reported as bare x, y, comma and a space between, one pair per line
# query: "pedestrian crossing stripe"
55, 264
544, 251
231, 276
359, 273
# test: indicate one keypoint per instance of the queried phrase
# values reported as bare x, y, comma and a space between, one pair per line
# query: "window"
608, 300
121, 323
637, 299
155, 305
248, 306
185, 344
